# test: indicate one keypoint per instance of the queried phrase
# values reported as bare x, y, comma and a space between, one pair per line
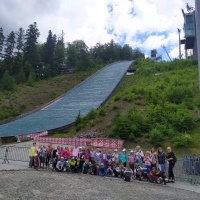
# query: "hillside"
157, 106
26, 98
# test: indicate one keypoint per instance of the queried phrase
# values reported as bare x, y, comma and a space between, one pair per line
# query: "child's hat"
102, 164
131, 151
115, 150
124, 150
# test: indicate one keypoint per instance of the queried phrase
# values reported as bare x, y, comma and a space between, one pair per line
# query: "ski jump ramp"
88, 95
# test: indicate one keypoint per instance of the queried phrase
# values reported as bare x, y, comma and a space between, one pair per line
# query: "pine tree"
30, 50
59, 55
9, 52
10, 45
49, 49
20, 40
2, 37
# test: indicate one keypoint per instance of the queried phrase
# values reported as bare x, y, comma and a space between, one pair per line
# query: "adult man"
32, 151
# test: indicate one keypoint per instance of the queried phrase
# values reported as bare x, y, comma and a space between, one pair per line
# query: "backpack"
127, 176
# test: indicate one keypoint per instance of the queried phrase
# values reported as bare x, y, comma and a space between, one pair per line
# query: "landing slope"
88, 95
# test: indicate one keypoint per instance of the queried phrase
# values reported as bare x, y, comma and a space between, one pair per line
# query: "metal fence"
2, 152
187, 169
14, 153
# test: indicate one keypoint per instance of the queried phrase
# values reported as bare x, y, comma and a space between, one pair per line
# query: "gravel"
36, 185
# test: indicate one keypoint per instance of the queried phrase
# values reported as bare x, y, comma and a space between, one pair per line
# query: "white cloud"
145, 24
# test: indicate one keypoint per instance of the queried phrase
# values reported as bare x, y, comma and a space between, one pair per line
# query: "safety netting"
88, 95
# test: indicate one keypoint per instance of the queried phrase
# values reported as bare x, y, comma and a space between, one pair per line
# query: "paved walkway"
13, 165
17, 165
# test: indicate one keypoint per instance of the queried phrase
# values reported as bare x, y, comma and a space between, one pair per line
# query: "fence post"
5, 156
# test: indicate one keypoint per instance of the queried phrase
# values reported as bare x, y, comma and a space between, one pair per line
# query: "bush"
184, 140
176, 94
20, 77
102, 112
9, 110
117, 98
31, 78
78, 119
156, 136
166, 130
8, 82
91, 115
115, 107
182, 120
122, 128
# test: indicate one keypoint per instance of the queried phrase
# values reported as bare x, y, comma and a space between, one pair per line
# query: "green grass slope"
157, 106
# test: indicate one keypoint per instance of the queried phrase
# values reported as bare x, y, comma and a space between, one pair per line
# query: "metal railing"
187, 169
14, 153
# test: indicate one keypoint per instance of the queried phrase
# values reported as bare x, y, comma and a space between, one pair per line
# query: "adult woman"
131, 160
123, 157
115, 156
171, 159
153, 157
139, 155
161, 159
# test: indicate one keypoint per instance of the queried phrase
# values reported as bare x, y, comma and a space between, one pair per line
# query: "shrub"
102, 112
156, 136
165, 129
184, 140
20, 77
176, 94
117, 98
182, 120
115, 107
91, 115
78, 119
8, 82
31, 78
122, 128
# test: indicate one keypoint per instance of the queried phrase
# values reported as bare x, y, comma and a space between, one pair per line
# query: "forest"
24, 60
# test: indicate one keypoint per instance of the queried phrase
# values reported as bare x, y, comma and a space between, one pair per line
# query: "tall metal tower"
190, 31
197, 17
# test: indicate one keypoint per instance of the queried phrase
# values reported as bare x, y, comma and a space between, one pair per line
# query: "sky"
144, 24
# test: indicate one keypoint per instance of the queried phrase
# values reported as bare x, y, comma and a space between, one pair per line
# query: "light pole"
179, 42
197, 18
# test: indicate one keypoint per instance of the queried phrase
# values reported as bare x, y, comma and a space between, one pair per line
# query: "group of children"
102, 162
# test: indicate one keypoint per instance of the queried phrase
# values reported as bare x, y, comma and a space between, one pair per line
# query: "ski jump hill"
88, 95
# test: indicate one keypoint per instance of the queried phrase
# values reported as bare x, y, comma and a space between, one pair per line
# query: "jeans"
161, 167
